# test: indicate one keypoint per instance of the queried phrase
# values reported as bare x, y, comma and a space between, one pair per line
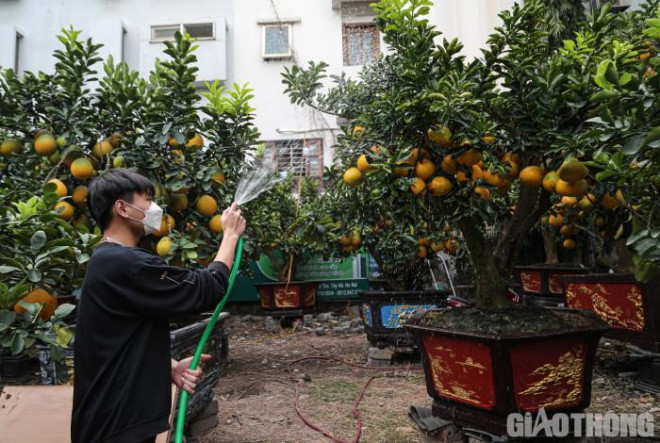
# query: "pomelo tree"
440, 145
628, 125
73, 125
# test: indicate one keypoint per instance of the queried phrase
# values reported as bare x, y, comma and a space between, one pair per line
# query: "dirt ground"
257, 395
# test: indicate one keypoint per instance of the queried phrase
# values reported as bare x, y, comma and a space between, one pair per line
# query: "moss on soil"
514, 320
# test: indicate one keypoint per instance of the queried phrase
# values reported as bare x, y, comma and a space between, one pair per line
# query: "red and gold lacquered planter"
542, 283
293, 298
631, 308
477, 379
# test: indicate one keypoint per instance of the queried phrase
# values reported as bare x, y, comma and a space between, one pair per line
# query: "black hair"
116, 184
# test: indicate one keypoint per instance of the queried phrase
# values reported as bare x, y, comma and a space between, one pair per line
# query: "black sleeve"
162, 291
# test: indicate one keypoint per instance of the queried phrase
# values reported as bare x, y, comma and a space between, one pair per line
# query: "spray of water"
256, 181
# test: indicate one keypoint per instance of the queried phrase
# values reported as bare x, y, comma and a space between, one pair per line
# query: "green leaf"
34, 275
637, 236
612, 74
64, 336
6, 319
37, 241
601, 75
604, 175
634, 144
653, 135
643, 247
17, 344
63, 310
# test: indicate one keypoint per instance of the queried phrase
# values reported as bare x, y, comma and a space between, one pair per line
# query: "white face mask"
152, 217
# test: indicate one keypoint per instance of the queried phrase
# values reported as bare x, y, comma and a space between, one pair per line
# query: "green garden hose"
183, 401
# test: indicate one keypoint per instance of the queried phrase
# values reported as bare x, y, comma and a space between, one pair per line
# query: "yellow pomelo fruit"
206, 205
10, 146
571, 189
61, 190
418, 186
79, 194
439, 186
82, 168
164, 246
102, 149
215, 224
550, 181
449, 165
531, 177
363, 164
425, 169
42, 297
196, 142
64, 210
353, 177
572, 170
45, 145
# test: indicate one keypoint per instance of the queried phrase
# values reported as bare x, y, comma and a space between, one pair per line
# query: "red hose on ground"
356, 414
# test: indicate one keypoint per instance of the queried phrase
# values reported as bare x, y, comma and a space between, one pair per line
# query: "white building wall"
317, 35
102, 20
235, 55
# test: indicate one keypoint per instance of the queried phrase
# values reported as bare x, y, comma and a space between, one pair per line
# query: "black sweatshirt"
122, 376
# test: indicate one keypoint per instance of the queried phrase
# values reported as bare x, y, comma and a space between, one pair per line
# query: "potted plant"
628, 165
27, 326
288, 225
39, 267
56, 128
468, 145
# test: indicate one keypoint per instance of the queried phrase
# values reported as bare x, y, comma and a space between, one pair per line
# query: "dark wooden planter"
16, 370
477, 379
184, 341
631, 308
542, 283
294, 298
385, 312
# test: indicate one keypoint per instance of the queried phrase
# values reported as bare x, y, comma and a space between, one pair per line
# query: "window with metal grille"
361, 44
276, 41
304, 157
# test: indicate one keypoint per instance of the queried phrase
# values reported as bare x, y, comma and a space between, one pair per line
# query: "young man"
123, 369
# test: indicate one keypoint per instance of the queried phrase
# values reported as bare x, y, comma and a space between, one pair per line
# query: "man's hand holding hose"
233, 225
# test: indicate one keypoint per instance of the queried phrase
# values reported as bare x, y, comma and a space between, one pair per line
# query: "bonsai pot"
477, 378
542, 283
47, 367
384, 314
631, 308
184, 341
288, 299
15, 370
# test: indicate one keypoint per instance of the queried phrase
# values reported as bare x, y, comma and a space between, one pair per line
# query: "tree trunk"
625, 262
491, 286
394, 284
529, 209
550, 247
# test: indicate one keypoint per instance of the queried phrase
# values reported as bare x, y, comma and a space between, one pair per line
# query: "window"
17, 52
162, 33
361, 44
276, 41
200, 31
303, 156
